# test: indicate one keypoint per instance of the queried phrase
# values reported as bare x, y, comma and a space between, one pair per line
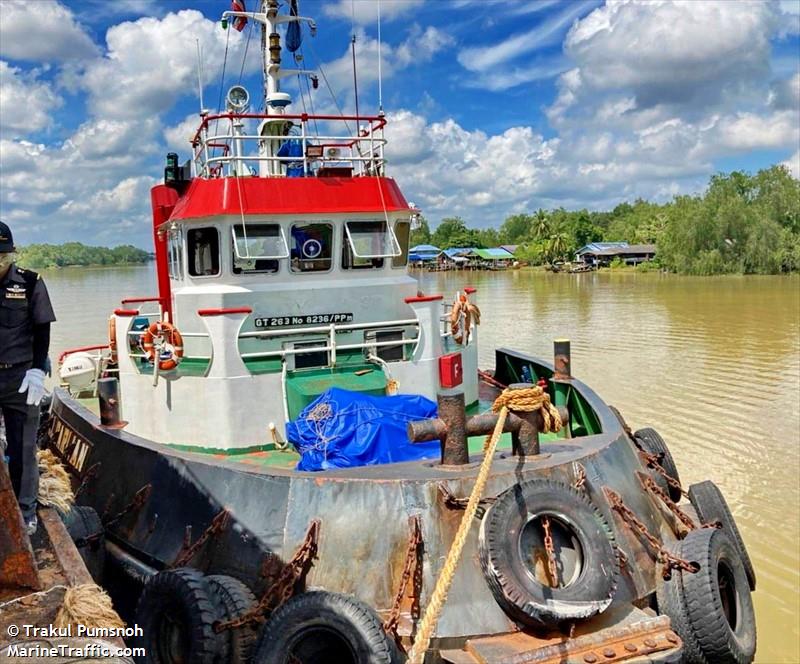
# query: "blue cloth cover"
360, 430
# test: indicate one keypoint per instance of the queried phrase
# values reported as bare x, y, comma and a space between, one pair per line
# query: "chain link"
653, 461
551, 556
284, 585
90, 474
669, 560
139, 499
412, 553
650, 484
217, 525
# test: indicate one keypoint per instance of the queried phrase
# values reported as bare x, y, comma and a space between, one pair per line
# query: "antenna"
380, 75
199, 73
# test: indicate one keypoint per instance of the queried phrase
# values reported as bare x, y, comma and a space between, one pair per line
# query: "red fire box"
451, 370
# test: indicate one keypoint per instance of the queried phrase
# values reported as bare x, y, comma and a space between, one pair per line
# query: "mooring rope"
89, 605
526, 399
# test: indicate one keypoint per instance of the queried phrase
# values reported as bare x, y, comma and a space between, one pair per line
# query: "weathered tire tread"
649, 440
710, 505
234, 599
507, 591
190, 582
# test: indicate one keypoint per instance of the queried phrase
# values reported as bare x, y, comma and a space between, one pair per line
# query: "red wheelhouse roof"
221, 196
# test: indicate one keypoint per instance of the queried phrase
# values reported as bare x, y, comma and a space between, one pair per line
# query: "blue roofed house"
602, 253
423, 253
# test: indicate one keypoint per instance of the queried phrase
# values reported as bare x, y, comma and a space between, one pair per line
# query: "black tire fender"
177, 614
585, 551
717, 609
86, 530
233, 599
650, 441
670, 601
320, 627
711, 507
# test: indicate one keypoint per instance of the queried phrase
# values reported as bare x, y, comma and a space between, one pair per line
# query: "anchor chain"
669, 560
412, 552
651, 486
283, 588
217, 525
653, 461
90, 474
552, 569
580, 476
139, 499
454, 502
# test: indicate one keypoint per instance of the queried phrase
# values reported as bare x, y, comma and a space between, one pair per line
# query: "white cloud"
483, 58
41, 31
785, 94
152, 62
366, 11
793, 164
667, 53
26, 102
126, 196
179, 136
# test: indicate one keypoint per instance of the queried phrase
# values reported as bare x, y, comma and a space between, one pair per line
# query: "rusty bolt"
630, 647
671, 637
650, 643
609, 652
590, 658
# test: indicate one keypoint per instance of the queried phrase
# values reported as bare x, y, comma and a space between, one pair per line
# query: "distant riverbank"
42, 256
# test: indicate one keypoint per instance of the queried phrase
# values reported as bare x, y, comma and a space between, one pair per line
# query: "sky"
495, 106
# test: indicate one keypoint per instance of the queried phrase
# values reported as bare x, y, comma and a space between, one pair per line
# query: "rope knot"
529, 399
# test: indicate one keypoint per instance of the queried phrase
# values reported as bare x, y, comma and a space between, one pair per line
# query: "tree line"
742, 223
38, 256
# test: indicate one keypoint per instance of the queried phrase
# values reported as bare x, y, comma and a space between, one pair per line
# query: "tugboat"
510, 515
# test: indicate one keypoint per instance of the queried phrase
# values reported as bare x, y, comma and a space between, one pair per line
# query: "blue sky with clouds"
495, 107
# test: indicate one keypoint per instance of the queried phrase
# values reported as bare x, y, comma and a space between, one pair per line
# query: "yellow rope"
54, 483
89, 605
526, 399
529, 399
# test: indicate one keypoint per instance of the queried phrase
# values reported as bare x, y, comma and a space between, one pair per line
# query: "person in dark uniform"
25, 317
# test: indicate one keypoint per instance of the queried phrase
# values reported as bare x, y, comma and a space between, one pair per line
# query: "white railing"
359, 148
331, 346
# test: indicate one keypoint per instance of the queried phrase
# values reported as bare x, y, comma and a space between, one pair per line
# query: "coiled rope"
89, 605
526, 399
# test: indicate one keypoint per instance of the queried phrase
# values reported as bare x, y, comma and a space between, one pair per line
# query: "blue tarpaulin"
343, 429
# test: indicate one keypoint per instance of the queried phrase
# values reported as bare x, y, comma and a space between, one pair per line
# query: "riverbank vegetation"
742, 223
38, 256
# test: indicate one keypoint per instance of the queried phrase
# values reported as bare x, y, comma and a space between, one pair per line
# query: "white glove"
33, 382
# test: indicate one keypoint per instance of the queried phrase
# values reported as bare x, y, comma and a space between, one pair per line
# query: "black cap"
6, 239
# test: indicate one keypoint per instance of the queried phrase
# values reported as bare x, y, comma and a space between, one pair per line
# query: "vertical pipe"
526, 439
562, 363
455, 450
108, 396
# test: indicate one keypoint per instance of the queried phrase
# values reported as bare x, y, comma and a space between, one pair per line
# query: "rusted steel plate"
607, 638
67, 555
17, 564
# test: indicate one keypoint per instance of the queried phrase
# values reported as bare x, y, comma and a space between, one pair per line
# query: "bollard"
108, 398
455, 451
525, 439
562, 360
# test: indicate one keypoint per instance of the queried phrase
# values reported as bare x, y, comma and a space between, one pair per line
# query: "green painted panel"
302, 387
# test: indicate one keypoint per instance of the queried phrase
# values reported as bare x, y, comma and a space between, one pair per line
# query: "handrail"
222, 312
139, 300
81, 349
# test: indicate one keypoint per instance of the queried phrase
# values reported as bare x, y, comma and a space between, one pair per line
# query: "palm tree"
557, 245
541, 224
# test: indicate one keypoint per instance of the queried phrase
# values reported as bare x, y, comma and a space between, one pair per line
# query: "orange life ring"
169, 333
112, 338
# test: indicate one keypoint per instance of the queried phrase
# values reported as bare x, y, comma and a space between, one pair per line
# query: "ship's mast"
275, 101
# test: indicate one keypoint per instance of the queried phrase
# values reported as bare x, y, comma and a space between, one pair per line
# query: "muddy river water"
713, 363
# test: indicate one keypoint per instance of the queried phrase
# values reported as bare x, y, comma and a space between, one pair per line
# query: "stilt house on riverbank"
600, 254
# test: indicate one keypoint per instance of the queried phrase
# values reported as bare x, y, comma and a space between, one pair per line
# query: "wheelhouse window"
367, 244
402, 231
258, 248
312, 247
175, 253
203, 250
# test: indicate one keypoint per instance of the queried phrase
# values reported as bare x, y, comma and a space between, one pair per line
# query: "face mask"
6, 260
